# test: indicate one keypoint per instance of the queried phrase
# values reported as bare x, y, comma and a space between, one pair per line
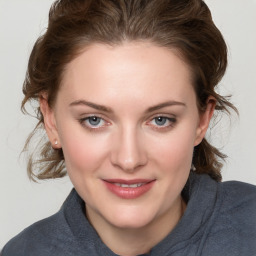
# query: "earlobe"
49, 122
204, 120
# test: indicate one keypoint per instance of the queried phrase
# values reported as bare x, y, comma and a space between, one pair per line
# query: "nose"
128, 151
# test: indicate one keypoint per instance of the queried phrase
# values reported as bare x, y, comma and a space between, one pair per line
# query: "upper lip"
128, 182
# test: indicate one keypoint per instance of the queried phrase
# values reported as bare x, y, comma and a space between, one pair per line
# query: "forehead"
136, 70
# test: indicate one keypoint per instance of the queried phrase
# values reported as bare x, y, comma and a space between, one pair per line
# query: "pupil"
160, 120
94, 120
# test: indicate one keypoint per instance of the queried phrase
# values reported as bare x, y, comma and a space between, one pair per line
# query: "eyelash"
90, 127
171, 122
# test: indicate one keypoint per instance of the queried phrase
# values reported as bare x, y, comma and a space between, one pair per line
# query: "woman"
126, 92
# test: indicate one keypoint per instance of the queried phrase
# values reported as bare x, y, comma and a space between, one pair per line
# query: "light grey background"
21, 21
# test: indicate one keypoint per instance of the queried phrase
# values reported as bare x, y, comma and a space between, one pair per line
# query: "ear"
49, 122
204, 120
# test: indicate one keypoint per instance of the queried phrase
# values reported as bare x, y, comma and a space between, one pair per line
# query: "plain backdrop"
23, 202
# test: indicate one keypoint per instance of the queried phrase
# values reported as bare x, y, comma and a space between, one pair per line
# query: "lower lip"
129, 193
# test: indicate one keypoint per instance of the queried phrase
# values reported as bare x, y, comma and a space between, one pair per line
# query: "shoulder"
234, 225
40, 238
49, 236
238, 197
238, 207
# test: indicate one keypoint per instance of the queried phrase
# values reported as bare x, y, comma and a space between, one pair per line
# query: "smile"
131, 189
129, 185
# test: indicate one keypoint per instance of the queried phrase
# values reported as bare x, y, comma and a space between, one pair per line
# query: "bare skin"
127, 120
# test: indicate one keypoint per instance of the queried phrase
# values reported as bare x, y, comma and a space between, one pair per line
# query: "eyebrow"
109, 110
165, 104
92, 105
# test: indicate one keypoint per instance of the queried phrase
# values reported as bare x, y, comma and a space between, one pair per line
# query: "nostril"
129, 165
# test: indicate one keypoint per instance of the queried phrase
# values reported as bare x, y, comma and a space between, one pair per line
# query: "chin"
131, 219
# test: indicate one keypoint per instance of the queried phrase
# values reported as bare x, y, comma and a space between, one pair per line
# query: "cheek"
176, 151
83, 152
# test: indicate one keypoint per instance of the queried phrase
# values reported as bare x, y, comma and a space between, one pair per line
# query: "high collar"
200, 192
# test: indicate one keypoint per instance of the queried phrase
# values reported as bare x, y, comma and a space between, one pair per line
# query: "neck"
143, 239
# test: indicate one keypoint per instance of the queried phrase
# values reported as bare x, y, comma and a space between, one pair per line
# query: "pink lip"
129, 192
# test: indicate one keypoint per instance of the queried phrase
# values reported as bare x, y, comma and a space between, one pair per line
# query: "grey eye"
160, 120
94, 120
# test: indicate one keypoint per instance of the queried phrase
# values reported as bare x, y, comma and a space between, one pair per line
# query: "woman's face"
127, 120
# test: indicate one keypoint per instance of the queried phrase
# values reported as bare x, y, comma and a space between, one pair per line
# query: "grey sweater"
220, 220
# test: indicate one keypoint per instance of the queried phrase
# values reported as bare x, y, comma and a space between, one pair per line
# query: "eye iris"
94, 120
160, 120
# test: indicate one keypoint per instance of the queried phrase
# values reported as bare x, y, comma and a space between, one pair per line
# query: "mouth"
129, 189
123, 185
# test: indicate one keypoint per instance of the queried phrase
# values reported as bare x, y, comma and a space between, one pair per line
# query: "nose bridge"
128, 152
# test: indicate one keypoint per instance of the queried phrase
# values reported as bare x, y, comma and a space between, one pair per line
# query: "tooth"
129, 185
124, 185
140, 184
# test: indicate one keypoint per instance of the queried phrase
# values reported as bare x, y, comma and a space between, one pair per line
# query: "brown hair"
184, 25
